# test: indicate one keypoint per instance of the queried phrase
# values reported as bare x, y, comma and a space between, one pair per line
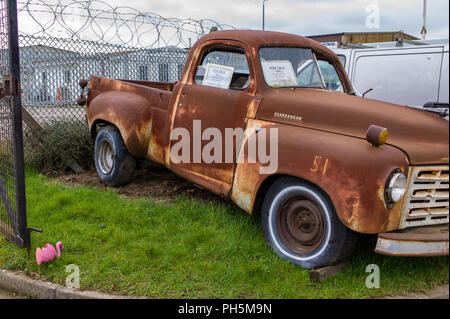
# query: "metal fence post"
19, 171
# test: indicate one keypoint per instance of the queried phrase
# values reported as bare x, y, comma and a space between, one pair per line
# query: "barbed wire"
97, 20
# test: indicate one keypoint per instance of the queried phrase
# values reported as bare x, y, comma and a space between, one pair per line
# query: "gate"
13, 221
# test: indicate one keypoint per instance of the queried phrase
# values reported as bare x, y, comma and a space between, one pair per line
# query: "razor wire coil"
99, 21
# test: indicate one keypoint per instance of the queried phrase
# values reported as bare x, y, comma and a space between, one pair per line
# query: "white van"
411, 73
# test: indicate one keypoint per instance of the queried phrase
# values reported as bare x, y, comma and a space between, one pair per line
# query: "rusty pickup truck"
338, 164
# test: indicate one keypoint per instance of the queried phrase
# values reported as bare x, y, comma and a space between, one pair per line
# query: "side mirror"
83, 83
369, 90
82, 99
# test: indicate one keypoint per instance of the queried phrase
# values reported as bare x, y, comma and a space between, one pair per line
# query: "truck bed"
156, 85
141, 107
157, 93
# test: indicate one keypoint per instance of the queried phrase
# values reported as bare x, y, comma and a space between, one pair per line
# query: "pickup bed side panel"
350, 170
137, 112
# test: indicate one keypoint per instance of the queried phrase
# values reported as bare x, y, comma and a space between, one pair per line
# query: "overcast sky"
304, 17
308, 17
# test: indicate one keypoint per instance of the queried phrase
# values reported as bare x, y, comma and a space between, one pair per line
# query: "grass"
188, 249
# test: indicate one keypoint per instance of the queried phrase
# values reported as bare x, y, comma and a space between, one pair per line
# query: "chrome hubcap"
105, 157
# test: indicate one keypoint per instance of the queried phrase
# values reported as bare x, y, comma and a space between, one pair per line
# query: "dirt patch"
150, 181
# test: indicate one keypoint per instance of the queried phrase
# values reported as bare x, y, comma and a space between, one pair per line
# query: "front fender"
129, 112
349, 170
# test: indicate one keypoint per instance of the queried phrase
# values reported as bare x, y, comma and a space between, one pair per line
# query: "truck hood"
423, 137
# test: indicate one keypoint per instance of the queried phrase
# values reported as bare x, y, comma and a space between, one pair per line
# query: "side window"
330, 76
307, 74
224, 68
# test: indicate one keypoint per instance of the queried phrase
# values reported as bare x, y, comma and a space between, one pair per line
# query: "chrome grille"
427, 200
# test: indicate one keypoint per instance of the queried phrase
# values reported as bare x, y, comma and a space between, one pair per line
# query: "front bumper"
415, 242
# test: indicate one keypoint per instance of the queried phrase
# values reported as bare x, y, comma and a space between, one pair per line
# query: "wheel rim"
301, 224
105, 156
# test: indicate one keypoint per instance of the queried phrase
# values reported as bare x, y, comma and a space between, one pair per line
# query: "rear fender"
129, 112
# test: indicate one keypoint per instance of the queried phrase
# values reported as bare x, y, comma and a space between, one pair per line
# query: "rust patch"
353, 211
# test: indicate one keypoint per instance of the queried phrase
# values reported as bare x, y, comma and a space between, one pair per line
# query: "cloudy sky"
304, 17
307, 17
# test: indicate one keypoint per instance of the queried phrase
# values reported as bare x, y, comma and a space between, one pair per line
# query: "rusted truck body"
345, 164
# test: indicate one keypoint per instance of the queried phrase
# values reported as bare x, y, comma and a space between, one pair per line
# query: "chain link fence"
51, 69
63, 41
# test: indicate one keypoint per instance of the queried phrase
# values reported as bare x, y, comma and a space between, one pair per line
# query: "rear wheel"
300, 225
115, 166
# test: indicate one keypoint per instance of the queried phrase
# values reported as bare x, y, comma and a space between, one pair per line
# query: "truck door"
212, 102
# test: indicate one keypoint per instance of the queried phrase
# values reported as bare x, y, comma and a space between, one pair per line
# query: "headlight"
395, 187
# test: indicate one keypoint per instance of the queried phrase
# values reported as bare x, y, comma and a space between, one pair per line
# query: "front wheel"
300, 224
114, 165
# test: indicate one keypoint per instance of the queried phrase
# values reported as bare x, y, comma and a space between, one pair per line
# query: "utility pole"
264, 15
424, 28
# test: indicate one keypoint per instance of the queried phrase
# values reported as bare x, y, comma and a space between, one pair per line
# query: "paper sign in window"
279, 73
218, 76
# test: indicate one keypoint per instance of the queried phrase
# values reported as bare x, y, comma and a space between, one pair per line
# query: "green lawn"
188, 249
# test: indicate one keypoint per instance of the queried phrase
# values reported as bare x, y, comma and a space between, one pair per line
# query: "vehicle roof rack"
401, 41
345, 45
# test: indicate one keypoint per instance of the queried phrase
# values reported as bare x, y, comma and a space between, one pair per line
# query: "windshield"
290, 67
